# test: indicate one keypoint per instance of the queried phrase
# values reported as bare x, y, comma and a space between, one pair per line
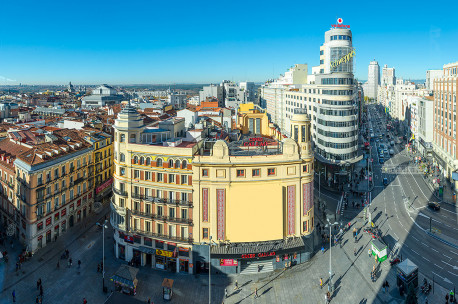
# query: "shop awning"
167, 283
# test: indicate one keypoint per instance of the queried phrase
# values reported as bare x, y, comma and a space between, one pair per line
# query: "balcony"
167, 201
138, 196
21, 197
163, 236
23, 182
142, 213
119, 192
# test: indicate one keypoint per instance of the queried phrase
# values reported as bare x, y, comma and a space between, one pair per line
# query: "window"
159, 177
159, 162
271, 171
204, 172
172, 212
147, 175
184, 165
56, 173
159, 229
305, 168
122, 157
63, 198
148, 226
184, 213
255, 172
205, 233
133, 138
170, 163
56, 187
177, 164
142, 160
135, 159
56, 203
148, 161
171, 178
159, 210
121, 202
122, 171
63, 184
184, 197
240, 173
136, 174
148, 208
184, 179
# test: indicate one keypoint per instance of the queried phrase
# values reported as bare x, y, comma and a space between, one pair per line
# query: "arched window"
122, 137
184, 165
170, 163
177, 164
142, 160
122, 157
148, 161
159, 162
135, 159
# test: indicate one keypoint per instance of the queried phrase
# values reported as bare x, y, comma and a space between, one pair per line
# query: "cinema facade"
254, 202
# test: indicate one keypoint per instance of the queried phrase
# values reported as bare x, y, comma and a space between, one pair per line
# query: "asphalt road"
399, 209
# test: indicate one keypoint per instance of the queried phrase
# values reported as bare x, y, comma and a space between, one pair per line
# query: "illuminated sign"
228, 262
343, 59
160, 252
256, 141
339, 24
258, 255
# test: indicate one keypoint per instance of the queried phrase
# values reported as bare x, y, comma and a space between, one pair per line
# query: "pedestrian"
236, 285
14, 295
387, 286
369, 252
322, 248
58, 264
84, 301
41, 291
354, 251
70, 262
225, 292
321, 283
259, 268
328, 297
79, 264
256, 293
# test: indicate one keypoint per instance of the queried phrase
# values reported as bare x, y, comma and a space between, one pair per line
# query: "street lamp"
330, 287
104, 226
209, 269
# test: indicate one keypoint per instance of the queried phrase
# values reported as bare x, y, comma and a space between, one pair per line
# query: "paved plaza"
299, 284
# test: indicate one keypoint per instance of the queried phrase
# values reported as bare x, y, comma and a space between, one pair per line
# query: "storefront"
166, 260
254, 257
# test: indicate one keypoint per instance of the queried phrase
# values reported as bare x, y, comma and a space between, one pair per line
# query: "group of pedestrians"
39, 298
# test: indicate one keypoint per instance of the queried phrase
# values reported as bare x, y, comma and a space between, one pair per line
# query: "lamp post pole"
209, 272
330, 287
104, 226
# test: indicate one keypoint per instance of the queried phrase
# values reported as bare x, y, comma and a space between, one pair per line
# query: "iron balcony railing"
119, 192
163, 236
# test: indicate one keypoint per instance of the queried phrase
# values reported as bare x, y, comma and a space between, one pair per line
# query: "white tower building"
373, 80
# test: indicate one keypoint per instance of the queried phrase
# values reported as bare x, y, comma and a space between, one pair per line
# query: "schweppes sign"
343, 59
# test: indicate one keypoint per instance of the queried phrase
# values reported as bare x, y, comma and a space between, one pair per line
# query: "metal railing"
163, 236
119, 192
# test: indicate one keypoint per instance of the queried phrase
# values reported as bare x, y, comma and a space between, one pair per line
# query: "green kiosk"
379, 250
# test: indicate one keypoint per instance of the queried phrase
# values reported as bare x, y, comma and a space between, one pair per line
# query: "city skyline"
191, 45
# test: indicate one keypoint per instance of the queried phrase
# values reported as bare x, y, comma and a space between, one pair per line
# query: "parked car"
385, 181
434, 205
392, 143
380, 160
391, 152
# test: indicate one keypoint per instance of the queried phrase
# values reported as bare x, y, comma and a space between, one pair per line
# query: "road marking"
456, 275
453, 266
445, 279
434, 250
415, 251
426, 259
424, 244
415, 238
438, 266
447, 256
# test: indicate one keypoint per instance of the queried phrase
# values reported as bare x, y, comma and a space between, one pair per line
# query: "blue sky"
53, 42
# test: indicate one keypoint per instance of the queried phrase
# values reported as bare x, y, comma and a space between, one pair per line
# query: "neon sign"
339, 24
343, 59
258, 255
256, 141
